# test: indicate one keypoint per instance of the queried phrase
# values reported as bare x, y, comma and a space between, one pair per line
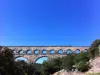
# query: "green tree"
27, 68
51, 66
93, 50
8, 66
6, 61
83, 56
67, 62
57, 62
46, 68
82, 66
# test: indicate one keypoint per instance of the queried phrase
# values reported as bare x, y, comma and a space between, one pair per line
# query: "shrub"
82, 66
93, 50
83, 56
51, 66
68, 62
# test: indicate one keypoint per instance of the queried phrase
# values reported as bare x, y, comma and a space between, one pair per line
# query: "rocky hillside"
69, 73
95, 68
95, 65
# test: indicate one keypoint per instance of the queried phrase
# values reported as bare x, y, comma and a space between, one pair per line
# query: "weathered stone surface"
33, 57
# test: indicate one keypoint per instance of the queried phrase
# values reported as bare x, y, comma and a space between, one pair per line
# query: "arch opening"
21, 59
36, 51
29, 52
21, 52
60, 51
52, 51
77, 51
85, 50
69, 51
40, 60
44, 51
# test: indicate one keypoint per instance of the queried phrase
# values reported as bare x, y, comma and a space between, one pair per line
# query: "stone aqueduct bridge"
32, 53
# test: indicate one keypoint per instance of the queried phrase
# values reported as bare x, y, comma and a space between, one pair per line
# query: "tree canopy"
8, 65
94, 50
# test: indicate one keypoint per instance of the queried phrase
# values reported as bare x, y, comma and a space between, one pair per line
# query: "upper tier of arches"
44, 51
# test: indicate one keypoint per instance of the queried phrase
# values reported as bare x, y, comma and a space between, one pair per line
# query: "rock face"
64, 72
95, 68
95, 65
69, 73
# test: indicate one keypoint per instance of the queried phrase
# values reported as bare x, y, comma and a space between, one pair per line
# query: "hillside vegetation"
91, 67
8, 66
77, 64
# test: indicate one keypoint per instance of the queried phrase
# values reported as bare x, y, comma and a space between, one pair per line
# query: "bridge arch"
36, 51
40, 58
21, 52
77, 51
69, 51
52, 51
22, 57
44, 52
60, 51
29, 52
86, 50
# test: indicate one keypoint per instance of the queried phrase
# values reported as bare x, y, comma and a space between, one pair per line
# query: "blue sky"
49, 22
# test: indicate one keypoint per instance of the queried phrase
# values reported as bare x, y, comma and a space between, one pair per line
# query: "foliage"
82, 66
8, 66
27, 68
93, 50
57, 62
83, 56
46, 66
38, 66
51, 66
68, 62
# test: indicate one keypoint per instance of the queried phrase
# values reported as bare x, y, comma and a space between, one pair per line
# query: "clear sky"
49, 22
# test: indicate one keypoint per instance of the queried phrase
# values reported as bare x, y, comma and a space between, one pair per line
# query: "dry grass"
93, 74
